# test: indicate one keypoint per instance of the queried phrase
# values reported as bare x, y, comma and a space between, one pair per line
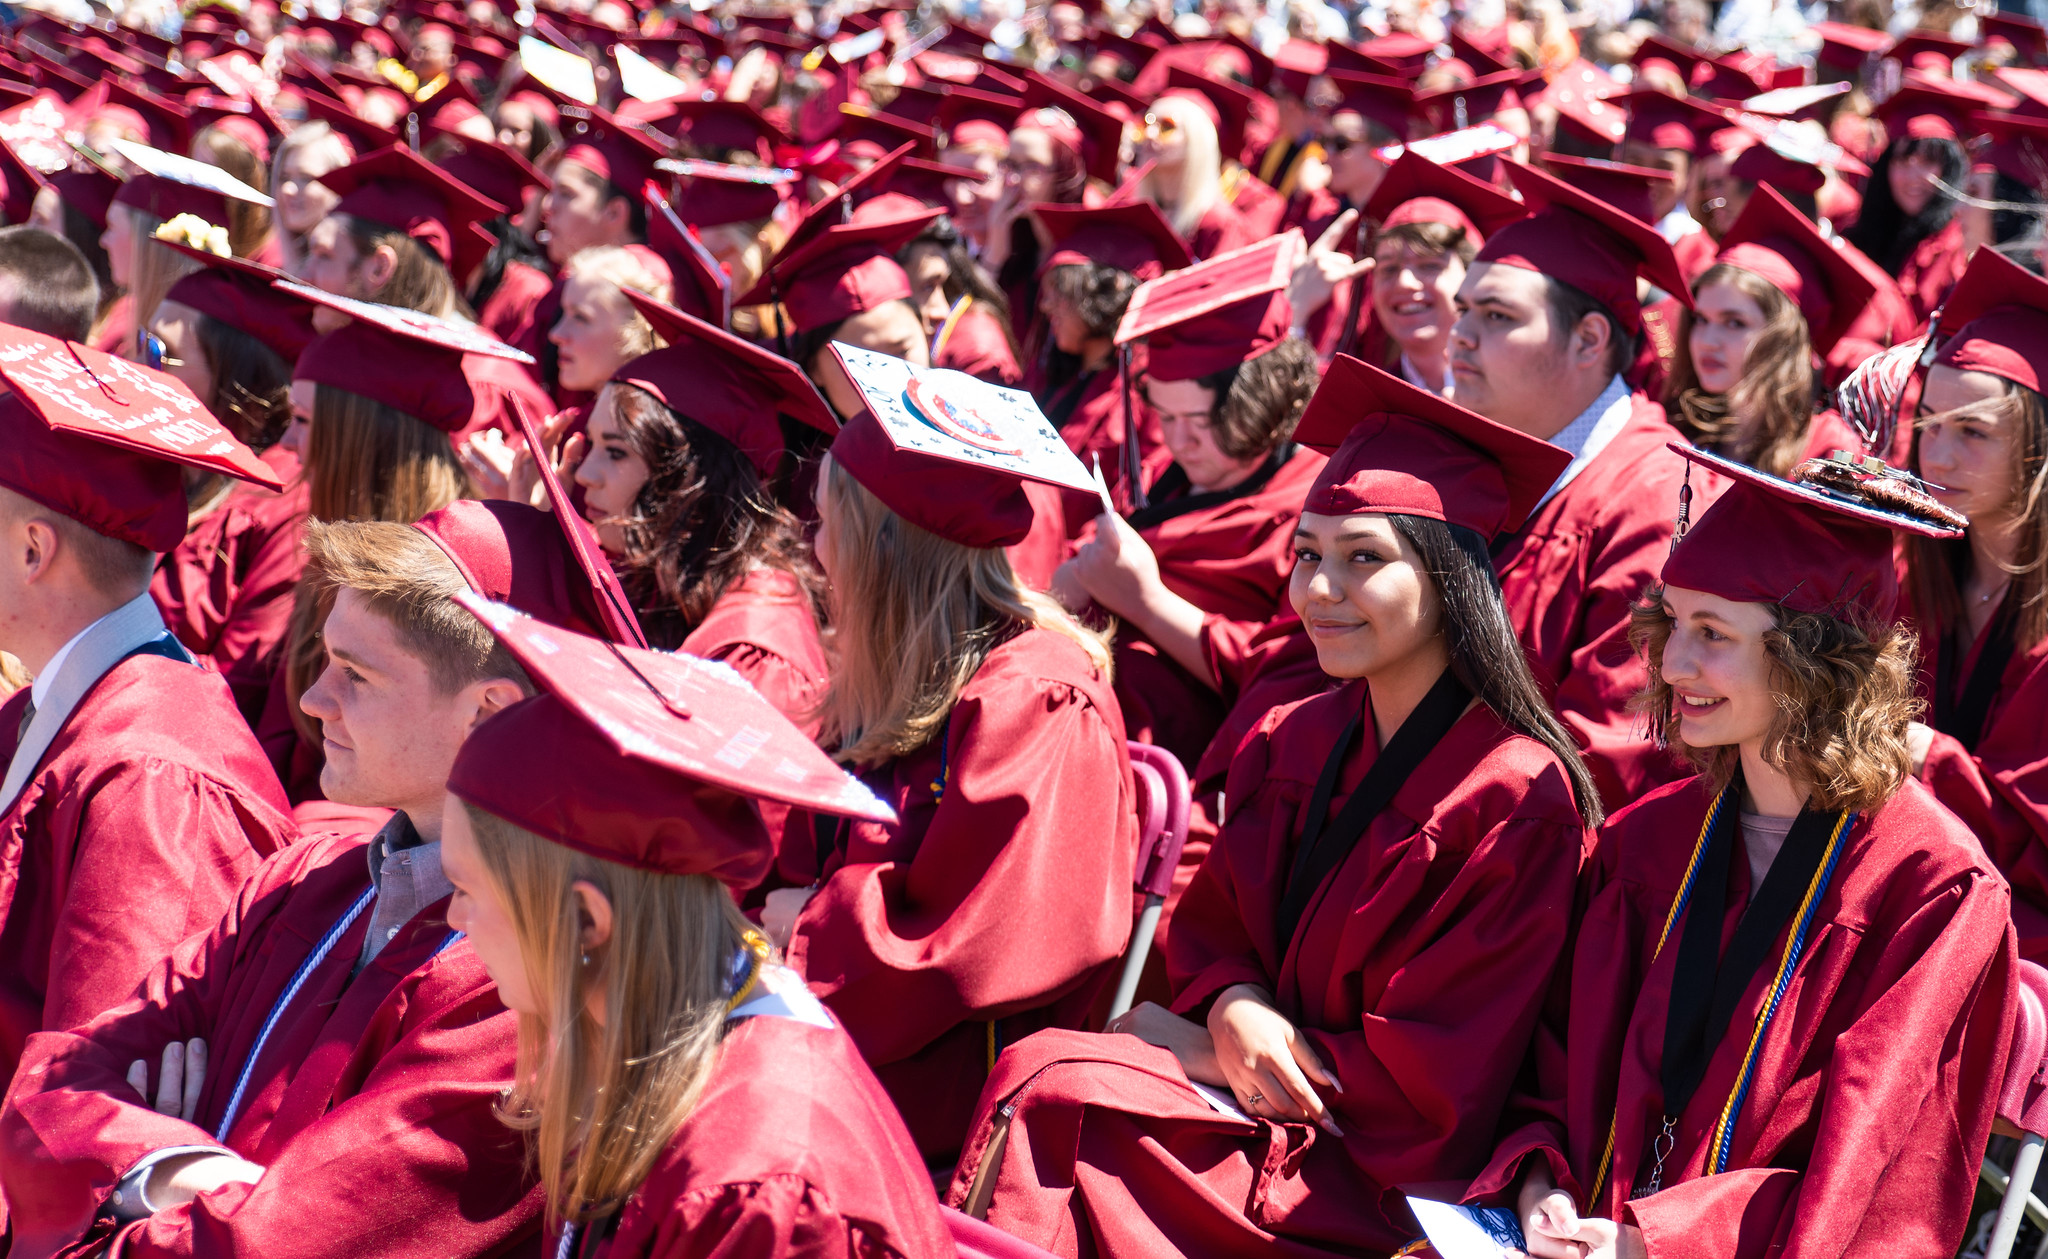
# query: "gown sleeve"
780, 1217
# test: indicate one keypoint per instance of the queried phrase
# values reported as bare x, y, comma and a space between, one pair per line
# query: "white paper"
564, 72
1224, 1103
1453, 147
645, 81
1468, 1232
191, 172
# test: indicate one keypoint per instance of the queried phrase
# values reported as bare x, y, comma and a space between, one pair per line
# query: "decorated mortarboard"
1406, 451
1819, 541
405, 359
1471, 150
950, 453
1417, 190
710, 194
1663, 121
1925, 112
1390, 102
1131, 236
242, 294
399, 189
1996, 321
1772, 240
649, 759
104, 441
728, 384
169, 184
1216, 314
1581, 240
495, 171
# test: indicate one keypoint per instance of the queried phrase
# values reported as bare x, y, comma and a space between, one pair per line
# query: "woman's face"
1164, 142
739, 250
593, 336
1966, 438
1032, 166
1354, 171
973, 199
612, 474
1912, 176
1363, 594
480, 913
295, 433
333, 264
1412, 294
119, 242
575, 213
927, 269
302, 201
177, 326
1725, 322
1719, 673
1069, 330
893, 328
515, 126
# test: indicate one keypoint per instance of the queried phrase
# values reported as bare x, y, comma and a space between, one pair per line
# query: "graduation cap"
1627, 188
1101, 132
104, 441
243, 295
697, 279
1803, 104
1487, 51
1940, 51
643, 80
362, 135
1472, 150
1847, 47
1592, 117
644, 758
2029, 88
1417, 190
916, 103
2027, 37
168, 121
711, 194
169, 184
1235, 105
1399, 449
495, 171
1131, 236
1387, 101
720, 127
1772, 240
879, 133
2018, 148
406, 360
1129, 51
612, 149
1925, 112
1996, 321
1810, 545
1409, 53
825, 275
950, 453
1455, 108
1584, 241
930, 183
1296, 63
1261, 67
728, 384
1663, 121
1216, 314
399, 189
965, 104
1656, 47
1788, 157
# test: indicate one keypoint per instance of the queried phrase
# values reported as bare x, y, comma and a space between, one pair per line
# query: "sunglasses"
1158, 128
153, 353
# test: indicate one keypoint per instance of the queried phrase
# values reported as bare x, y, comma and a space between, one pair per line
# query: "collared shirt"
1589, 434
407, 873
39, 690
1678, 224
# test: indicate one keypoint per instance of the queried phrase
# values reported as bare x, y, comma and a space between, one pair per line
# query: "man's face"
389, 732
1505, 359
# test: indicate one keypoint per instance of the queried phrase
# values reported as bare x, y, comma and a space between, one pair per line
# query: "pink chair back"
2024, 1100
1163, 802
977, 1240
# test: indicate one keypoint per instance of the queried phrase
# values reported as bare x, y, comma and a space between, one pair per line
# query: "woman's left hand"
1117, 567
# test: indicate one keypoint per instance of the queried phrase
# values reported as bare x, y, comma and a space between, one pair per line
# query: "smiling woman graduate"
1790, 998
1361, 960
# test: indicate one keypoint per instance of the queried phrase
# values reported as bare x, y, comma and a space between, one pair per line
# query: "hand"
176, 1181
1919, 741
1184, 1039
1117, 567
1554, 1230
489, 459
1066, 588
179, 1082
1323, 268
779, 914
1267, 1061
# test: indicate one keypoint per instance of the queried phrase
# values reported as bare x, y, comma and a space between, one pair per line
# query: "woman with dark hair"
968, 315
1909, 224
1359, 964
1981, 601
1742, 382
1791, 992
226, 591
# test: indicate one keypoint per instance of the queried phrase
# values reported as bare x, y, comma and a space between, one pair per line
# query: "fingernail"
1330, 1126
1337, 1085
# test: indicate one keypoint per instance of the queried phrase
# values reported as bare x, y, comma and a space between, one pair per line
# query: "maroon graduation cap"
1417, 190
1772, 240
1217, 313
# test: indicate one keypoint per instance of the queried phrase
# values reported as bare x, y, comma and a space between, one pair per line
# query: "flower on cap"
190, 229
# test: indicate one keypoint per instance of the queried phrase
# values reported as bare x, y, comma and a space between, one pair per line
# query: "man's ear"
495, 696
34, 545
618, 215
1591, 338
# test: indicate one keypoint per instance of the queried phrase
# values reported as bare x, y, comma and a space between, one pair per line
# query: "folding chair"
977, 1240
1163, 800
2023, 1109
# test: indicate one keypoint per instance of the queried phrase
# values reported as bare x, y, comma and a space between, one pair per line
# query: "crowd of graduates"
580, 588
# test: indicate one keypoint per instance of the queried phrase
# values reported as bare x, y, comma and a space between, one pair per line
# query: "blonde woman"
599, 331
310, 151
982, 712
1186, 179
681, 1093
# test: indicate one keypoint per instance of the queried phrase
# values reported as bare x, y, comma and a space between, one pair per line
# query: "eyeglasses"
1159, 127
153, 353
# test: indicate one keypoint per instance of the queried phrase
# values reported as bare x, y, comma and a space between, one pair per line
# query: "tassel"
1684, 522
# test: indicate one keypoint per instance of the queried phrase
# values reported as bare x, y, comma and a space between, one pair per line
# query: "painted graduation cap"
1417, 190
649, 759
104, 441
1216, 314
1811, 545
949, 453
1131, 236
1996, 321
399, 189
1772, 240
1403, 450
1587, 243
726, 383
169, 184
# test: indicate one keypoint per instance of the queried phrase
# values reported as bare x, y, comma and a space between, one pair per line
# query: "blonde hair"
623, 269
248, 223
1763, 419
1935, 567
1201, 173
1845, 697
915, 615
599, 1103
154, 267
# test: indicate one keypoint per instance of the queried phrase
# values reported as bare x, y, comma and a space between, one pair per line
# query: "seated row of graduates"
1409, 957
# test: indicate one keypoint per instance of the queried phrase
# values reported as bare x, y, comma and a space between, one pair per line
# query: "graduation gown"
512, 312
1932, 269
972, 340
764, 627
999, 903
1417, 975
226, 590
496, 382
143, 816
1875, 1082
1090, 413
371, 1103
793, 1151
1996, 779
1568, 578
1220, 230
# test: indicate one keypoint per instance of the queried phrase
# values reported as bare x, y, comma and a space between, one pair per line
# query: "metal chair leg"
2013, 1207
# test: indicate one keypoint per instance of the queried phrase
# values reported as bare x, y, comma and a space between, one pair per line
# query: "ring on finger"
1255, 1099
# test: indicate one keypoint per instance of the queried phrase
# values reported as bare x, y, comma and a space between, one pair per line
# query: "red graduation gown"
496, 382
144, 815
1932, 269
1875, 1082
1094, 430
793, 1152
226, 590
974, 341
764, 627
1220, 230
998, 905
371, 1104
116, 332
1417, 975
1568, 578
512, 312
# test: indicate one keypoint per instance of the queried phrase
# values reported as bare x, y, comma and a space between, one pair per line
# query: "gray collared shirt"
407, 872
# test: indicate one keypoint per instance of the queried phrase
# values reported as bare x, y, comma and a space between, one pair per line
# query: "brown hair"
700, 523
369, 461
1432, 239
1935, 567
418, 280
1845, 695
111, 566
1097, 291
600, 1102
248, 223
1259, 401
1762, 421
914, 617
251, 382
1569, 306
